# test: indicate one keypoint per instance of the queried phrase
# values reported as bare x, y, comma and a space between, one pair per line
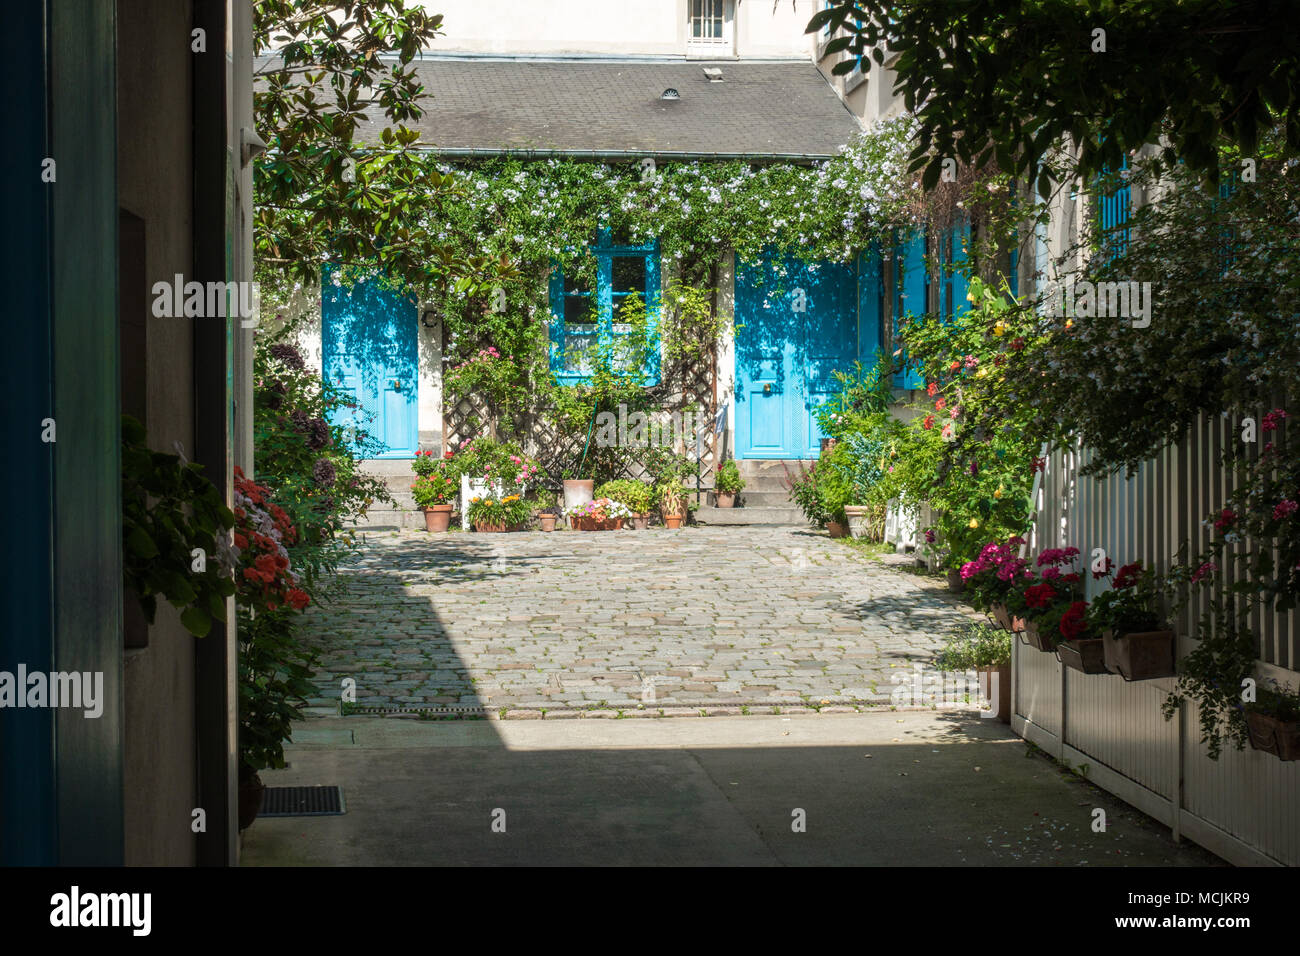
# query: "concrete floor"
875, 789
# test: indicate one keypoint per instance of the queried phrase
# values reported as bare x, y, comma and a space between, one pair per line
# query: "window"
710, 25
584, 317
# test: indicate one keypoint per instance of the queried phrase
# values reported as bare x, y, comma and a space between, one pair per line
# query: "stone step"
766, 499
784, 517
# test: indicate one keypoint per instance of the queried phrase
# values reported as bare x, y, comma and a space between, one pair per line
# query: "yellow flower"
999, 329
1069, 322
998, 493
974, 523
984, 370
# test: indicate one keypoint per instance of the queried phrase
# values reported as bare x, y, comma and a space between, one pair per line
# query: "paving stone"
719, 617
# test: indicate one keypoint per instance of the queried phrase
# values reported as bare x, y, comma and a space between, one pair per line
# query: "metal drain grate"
302, 802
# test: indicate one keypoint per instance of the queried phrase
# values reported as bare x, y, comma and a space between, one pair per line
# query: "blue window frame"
1113, 213
585, 318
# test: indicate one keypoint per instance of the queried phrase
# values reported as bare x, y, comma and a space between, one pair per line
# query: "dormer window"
711, 27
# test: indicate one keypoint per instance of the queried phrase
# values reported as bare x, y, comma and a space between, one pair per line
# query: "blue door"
369, 350
796, 324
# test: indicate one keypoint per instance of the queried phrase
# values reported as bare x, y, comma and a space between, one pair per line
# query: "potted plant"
436, 485
637, 496
1057, 592
497, 514
1079, 648
727, 484
672, 501
1273, 721
546, 510
1136, 645
998, 576
599, 514
986, 650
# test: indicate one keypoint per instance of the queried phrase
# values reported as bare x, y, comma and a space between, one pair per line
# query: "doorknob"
767, 388
397, 386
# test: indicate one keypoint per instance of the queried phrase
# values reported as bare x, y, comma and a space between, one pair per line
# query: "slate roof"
761, 109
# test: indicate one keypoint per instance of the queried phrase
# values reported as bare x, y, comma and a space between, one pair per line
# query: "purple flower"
323, 473
289, 355
318, 434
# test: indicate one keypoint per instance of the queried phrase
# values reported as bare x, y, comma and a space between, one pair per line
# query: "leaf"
197, 621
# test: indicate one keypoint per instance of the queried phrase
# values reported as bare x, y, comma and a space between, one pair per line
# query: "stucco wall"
154, 160
614, 27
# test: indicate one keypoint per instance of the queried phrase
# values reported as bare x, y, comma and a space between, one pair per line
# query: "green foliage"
807, 493
672, 495
275, 670
637, 495
321, 195
1012, 79
1213, 675
1278, 701
169, 509
973, 646
728, 481
308, 459
508, 510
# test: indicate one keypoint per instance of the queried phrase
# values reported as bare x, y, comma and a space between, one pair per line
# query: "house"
699, 82
126, 171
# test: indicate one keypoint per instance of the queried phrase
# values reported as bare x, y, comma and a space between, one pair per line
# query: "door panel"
370, 351
796, 326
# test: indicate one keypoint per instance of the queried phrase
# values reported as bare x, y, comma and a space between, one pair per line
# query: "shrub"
728, 480
974, 646
638, 496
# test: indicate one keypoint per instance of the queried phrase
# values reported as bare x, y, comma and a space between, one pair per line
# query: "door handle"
397, 386
767, 388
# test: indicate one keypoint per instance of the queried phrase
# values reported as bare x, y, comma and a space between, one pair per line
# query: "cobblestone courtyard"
714, 621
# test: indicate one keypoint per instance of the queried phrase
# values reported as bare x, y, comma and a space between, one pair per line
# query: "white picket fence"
1244, 806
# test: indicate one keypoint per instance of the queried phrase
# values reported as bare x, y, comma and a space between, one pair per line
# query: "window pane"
577, 308
629, 274
579, 344
573, 285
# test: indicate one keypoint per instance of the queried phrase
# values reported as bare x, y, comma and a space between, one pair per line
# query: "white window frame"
724, 45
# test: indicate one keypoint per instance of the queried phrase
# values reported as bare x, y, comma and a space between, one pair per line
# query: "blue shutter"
959, 284
557, 318
1113, 212
652, 315
911, 297
870, 337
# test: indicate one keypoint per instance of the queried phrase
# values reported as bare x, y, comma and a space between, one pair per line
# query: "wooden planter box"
484, 527
1144, 656
1281, 738
1008, 623
1002, 674
1040, 642
1088, 655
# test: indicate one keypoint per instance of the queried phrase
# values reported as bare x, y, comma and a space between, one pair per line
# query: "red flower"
1040, 595
928, 423
1127, 575
941, 404
298, 598
241, 542
1072, 623
932, 388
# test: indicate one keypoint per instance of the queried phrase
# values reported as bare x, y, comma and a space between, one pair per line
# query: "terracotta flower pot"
547, 522
1273, 735
955, 583
251, 792
640, 522
1087, 655
673, 521
1008, 623
837, 530
437, 518
1143, 656
725, 500
858, 517
1000, 673
497, 527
